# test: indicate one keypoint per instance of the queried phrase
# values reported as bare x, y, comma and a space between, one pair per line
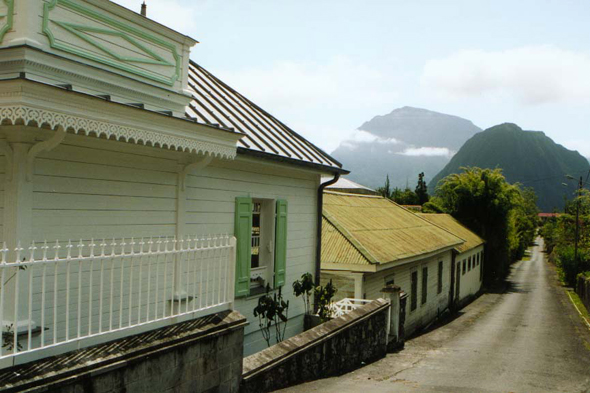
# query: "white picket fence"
346, 305
93, 291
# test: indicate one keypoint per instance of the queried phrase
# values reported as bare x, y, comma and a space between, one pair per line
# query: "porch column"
185, 167
17, 227
391, 293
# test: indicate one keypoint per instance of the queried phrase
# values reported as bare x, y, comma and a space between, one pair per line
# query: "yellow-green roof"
447, 222
367, 229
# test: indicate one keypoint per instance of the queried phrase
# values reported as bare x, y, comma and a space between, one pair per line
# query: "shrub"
570, 268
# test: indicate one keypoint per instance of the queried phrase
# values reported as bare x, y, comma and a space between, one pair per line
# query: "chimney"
144, 9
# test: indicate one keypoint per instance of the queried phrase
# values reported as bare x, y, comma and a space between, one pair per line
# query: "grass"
578, 302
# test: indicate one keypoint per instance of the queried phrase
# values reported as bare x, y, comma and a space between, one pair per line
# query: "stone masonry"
203, 355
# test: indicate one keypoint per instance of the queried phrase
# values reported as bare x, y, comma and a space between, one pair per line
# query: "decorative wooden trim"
9, 18
40, 117
119, 29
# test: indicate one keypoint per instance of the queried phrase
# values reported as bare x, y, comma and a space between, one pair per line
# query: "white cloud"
534, 74
360, 136
337, 84
427, 152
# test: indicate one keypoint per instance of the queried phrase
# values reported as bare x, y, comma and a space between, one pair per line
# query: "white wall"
436, 302
89, 188
471, 280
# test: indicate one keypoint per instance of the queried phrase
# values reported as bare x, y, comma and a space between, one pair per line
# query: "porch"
65, 296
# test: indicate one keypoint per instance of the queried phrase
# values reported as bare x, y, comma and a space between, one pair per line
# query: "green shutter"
243, 234
281, 243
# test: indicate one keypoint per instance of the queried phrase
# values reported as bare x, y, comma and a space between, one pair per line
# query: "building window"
414, 292
424, 284
464, 266
440, 277
263, 228
261, 244
389, 280
469, 264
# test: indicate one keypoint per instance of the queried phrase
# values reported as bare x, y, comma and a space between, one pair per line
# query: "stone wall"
202, 355
333, 348
583, 289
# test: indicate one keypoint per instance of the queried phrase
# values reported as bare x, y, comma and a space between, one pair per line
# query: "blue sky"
325, 67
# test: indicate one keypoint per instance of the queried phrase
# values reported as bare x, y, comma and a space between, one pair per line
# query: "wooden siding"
93, 188
470, 281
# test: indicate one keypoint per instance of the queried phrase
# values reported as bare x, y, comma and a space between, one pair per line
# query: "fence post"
391, 293
232, 268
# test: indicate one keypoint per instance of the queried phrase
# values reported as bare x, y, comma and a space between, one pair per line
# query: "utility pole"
580, 185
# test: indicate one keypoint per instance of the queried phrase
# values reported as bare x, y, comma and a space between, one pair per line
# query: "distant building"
369, 241
348, 186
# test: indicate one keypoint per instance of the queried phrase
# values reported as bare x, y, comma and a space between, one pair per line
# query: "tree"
422, 190
499, 212
385, 191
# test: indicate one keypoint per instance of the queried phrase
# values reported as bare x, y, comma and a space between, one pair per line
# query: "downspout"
318, 247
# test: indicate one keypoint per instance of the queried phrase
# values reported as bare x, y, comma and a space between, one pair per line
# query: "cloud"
360, 136
427, 152
534, 74
336, 84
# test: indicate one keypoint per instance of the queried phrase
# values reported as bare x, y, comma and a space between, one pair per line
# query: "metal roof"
446, 221
379, 229
214, 102
345, 185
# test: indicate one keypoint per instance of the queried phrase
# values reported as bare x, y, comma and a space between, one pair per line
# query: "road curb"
577, 309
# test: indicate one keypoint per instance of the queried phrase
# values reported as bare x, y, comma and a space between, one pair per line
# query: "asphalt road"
528, 338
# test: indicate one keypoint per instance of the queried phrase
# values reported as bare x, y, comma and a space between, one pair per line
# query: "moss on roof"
378, 230
447, 222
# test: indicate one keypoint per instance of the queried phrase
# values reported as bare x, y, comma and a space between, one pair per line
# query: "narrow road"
529, 338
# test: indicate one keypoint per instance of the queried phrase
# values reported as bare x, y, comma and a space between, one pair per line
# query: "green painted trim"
78, 30
9, 18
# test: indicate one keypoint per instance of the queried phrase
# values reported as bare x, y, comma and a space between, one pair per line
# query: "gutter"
318, 247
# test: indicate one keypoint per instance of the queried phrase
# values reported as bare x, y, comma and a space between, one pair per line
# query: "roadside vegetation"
560, 239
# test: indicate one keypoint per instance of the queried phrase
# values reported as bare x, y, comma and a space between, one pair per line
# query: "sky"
325, 67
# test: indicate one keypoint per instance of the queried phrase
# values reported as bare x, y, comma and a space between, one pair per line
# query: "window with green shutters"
261, 234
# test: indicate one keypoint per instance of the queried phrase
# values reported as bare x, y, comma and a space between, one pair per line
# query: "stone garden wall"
333, 348
202, 355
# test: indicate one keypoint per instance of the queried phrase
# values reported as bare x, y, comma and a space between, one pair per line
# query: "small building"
468, 259
369, 242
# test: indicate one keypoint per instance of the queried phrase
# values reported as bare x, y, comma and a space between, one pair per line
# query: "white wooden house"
111, 137
369, 242
468, 276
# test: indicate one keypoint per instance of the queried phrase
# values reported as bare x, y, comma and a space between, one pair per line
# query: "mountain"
402, 144
528, 157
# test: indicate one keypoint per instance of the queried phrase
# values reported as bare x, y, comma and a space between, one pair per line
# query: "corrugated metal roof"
379, 229
337, 249
214, 102
447, 222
